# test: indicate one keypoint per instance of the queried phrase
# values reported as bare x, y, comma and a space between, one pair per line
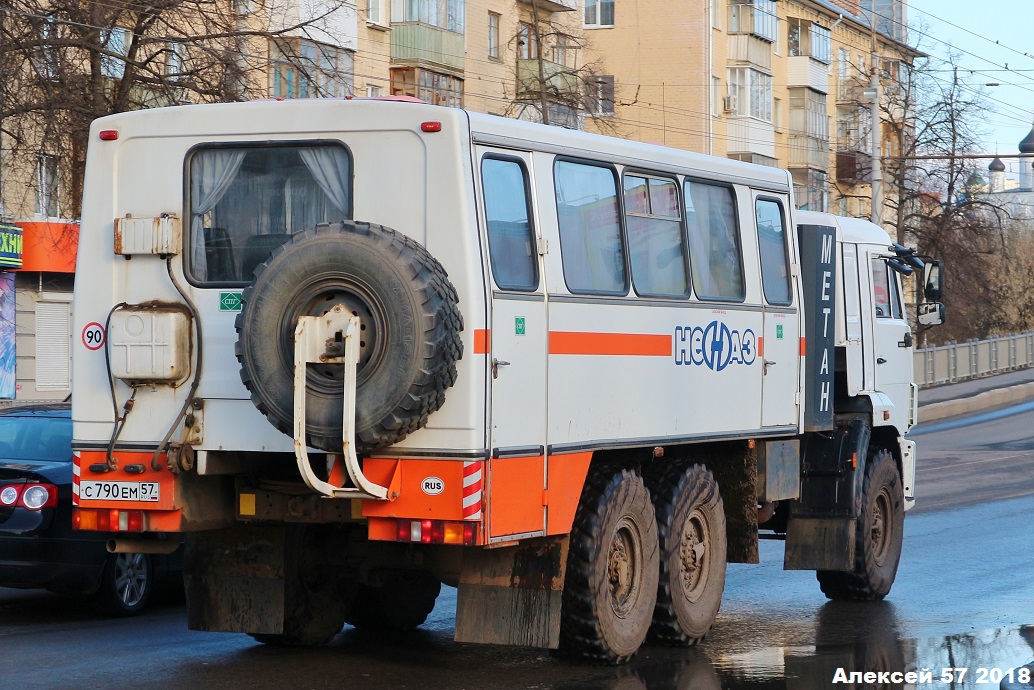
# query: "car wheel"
126, 584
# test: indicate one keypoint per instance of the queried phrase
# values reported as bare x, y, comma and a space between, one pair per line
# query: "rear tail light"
29, 496
109, 520
436, 532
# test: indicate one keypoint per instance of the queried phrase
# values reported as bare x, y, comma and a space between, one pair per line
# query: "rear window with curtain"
244, 202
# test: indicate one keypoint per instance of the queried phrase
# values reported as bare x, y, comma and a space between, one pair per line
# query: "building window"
444, 14
493, 35
374, 91
173, 60
527, 42
599, 13
716, 14
757, 17
809, 39
565, 52
600, 94
47, 59
375, 12
808, 113
304, 69
751, 93
242, 8
116, 44
716, 96
46, 186
432, 87
53, 346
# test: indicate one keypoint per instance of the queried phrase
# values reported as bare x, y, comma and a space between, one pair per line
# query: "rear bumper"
71, 566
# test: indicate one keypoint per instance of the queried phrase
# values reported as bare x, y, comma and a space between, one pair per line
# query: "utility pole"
873, 92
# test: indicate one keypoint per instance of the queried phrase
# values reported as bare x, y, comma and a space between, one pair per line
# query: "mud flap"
234, 580
821, 531
512, 595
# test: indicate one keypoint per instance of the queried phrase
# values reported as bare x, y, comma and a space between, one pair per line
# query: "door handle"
906, 341
768, 363
881, 360
496, 363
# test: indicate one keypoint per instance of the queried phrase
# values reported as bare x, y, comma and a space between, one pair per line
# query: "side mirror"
931, 313
932, 280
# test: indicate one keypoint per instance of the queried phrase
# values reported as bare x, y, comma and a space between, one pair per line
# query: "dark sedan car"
38, 547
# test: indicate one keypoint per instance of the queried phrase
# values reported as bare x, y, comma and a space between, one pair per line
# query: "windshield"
35, 438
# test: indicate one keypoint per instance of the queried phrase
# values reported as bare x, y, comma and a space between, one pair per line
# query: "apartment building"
781, 83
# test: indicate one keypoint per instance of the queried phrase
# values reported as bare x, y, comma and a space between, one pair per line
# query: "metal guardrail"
974, 358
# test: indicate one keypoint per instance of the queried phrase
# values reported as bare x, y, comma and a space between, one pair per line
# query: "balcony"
808, 152
559, 80
854, 167
419, 43
802, 70
553, 5
850, 90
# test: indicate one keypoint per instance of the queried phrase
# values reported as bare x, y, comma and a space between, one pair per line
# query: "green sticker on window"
229, 301
518, 325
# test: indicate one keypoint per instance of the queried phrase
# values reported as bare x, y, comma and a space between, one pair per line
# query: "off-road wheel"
402, 603
409, 337
878, 535
126, 584
691, 535
611, 583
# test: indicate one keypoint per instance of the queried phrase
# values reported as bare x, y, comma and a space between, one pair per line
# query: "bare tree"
933, 123
555, 84
64, 63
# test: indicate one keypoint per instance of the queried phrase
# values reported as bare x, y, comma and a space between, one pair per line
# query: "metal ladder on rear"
333, 339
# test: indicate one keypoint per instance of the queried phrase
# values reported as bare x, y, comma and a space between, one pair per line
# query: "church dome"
1027, 145
996, 165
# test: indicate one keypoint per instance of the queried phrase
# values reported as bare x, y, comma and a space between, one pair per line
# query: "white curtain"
329, 167
211, 173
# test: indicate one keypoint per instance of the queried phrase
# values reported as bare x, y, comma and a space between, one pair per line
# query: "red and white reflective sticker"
473, 484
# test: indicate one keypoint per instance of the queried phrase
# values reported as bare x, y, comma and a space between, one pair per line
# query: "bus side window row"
670, 241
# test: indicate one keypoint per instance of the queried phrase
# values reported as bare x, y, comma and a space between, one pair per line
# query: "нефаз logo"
715, 346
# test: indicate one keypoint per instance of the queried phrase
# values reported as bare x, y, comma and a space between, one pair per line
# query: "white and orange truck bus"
350, 350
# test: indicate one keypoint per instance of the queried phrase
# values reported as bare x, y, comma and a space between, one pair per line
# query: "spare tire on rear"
409, 338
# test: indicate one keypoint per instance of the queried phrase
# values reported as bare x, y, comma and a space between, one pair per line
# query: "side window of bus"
511, 241
590, 228
775, 266
885, 291
244, 202
655, 242
714, 244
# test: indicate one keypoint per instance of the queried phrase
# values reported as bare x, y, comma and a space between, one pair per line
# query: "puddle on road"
744, 652
988, 656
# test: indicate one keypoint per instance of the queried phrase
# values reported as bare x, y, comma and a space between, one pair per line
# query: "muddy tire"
877, 538
402, 603
611, 583
691, 536
409, 342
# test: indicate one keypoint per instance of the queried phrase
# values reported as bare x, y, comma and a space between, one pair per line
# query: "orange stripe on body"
761, 346
636, 344
482, 341
803, 348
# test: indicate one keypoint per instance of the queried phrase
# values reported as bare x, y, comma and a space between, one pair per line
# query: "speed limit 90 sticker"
93, 336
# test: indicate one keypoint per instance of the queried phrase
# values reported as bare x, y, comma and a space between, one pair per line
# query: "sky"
992, 38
